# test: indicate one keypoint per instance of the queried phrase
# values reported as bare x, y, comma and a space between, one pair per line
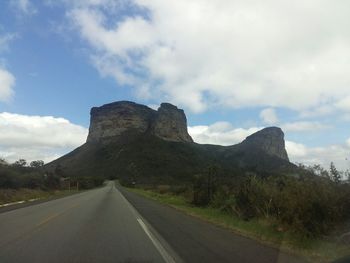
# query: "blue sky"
233, 66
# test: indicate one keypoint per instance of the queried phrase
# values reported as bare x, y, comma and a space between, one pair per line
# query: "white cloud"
153, 106
24, 7
318, 111
269, 116
5, 40
7, 80
221, 133
38, 137
348, 142
301, 126
7, 83
344, 103
339, 154
231, 53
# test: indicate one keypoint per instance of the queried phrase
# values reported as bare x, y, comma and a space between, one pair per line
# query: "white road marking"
14, 203
34, 199
156, 243
163, 252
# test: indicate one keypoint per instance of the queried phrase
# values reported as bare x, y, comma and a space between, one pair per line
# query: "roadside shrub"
309, 205
33, 181
9, 179
178, 189
89, 182
200, 191
163, 189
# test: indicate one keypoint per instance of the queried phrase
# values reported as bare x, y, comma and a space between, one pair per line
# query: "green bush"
307, 204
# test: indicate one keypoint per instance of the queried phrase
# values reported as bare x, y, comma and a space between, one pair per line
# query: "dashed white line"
19, 202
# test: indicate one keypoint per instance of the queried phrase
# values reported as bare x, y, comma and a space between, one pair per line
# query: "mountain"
134, 142
110, 121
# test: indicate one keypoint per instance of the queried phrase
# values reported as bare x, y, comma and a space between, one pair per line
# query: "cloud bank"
223, 133
230, 53
38, 137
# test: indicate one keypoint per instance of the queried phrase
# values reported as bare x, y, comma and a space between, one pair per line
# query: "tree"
37, 164
334, 173
320, 171
212, 174
347, 175
3, 161
20, 163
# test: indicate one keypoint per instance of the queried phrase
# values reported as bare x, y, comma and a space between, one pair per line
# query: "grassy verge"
24, 194
316, 250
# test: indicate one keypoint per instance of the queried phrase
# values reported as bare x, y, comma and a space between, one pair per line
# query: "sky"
234, 66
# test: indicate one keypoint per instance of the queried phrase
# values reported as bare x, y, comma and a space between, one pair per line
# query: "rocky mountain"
269, 140
133, 141
110, 121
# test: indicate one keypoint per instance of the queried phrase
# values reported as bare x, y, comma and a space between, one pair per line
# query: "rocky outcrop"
269, 140
112, 120
171, 124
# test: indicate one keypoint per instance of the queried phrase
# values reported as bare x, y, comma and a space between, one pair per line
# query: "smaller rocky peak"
171, 124
168, 106
270, 140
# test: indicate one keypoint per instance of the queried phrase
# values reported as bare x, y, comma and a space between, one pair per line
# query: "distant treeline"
33, 175
311, 202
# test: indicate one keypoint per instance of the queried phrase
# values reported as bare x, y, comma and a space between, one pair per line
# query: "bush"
89, 182
310, 205
307, 204
34, 181
9, 179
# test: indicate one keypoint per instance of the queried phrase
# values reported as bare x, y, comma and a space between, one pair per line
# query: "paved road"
198, 241
94, 226
101, 226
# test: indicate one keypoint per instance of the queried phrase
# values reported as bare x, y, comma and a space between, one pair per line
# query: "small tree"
37, 164
20, 163
3, 161
320, 171
347, 175
334, 173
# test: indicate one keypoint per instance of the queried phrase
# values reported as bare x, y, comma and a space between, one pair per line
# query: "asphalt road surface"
101, 226
94, 226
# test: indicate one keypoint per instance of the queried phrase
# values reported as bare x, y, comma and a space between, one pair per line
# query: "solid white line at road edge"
156, 243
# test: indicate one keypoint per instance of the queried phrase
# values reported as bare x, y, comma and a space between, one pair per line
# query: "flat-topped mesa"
112, 120
270, 140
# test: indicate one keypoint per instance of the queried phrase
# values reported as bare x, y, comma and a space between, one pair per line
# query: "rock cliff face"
114, 119
171, 124
270, 140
